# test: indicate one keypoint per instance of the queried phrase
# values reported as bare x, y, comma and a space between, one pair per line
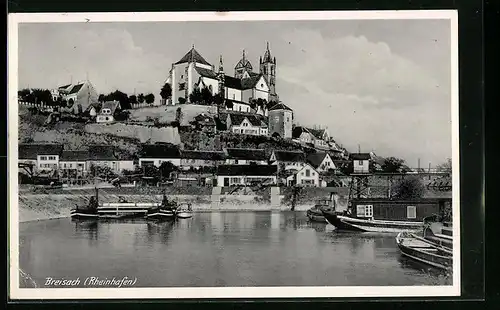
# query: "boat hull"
316, 218
161, 215
345, 223
430, 255
184, 215
83, 215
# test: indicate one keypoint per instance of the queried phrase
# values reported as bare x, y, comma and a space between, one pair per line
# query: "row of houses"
232, 166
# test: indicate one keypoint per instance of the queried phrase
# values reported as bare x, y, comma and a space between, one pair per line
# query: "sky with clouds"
381, 84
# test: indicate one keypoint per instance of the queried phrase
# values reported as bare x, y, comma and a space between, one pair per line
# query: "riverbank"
35, 207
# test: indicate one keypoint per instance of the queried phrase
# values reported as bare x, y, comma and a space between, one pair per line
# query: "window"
182, 76
288, 119
236, 161
64, 165
364, 210
43, 158
411, 212
313, 174
302, 173
360, 162
308, 172
106, 118
52, 158
182, 86
261, 85
234, 97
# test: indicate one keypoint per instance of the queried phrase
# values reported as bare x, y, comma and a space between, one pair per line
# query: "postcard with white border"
233, 155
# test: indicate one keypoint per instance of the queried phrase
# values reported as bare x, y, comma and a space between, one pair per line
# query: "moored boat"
439, 231
184, 211
315, 213
86, 212
165, 211
424, 251
384, 215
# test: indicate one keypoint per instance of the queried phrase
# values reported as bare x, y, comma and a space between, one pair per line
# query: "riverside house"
156, 154
240, 156
288, 159
200, 159
305, 176
42, 156
321, 161
246, 175
106, 156
74, 161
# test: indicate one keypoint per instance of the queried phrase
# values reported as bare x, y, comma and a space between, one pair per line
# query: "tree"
166, 91
178, 115
206, 96
195, 96
150, 98
141, 98
102, 98
408, 188
392, 165
445, 167
132, 99
166, 169
229, 104
120, 97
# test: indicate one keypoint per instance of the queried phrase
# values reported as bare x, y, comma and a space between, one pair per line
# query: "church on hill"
193, 71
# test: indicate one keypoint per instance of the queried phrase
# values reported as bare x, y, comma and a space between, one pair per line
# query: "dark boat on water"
165, 211
315, 213
385, 215
86, 212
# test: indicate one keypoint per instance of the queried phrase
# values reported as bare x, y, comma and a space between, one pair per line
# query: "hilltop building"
78, 96
193, 71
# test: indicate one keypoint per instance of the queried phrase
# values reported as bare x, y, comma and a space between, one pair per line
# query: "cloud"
109, 57
365, 94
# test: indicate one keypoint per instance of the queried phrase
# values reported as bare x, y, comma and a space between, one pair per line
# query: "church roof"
193, 56
232, 82
206, 72
280, 106
249, 83
267, 55
76, 88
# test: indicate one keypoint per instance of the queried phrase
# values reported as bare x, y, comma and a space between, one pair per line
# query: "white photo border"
17, 293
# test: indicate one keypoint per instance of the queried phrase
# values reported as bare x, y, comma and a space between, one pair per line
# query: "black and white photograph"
239, 154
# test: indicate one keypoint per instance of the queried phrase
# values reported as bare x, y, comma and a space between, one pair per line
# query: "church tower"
268, 69
243, 66
220, 78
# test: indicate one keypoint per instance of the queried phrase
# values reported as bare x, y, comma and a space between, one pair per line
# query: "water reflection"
217, 249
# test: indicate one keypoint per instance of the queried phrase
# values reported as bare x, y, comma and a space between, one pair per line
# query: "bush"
408, 188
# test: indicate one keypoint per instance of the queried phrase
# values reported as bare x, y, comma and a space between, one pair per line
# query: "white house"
105, 156
74, 160
237, 175
42, 156
288, 159
305, 176
248, 124
318, 138
107, 112
321, 161
156, 154
78, 96
240, 156
361, 162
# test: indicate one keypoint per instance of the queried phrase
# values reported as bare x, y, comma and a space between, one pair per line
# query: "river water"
215, 249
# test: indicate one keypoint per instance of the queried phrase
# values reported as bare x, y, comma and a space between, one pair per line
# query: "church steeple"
268, 70
220, 77
242, 66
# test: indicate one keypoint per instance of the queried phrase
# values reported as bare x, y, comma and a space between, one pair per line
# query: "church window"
182, 76
288, 119
261, 85
265, 70
182, 86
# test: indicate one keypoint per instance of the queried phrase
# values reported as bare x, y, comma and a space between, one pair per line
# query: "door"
226, 181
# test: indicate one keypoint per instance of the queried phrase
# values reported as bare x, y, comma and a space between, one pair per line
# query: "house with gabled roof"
43, 156
78, 96
204, 122
108, 111
288, 159
244, 156
305, 176
75, 160
321, 161
107, 156
156, 154
246, 175
246, 123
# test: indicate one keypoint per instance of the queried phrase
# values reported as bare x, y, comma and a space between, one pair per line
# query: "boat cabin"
399, 210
